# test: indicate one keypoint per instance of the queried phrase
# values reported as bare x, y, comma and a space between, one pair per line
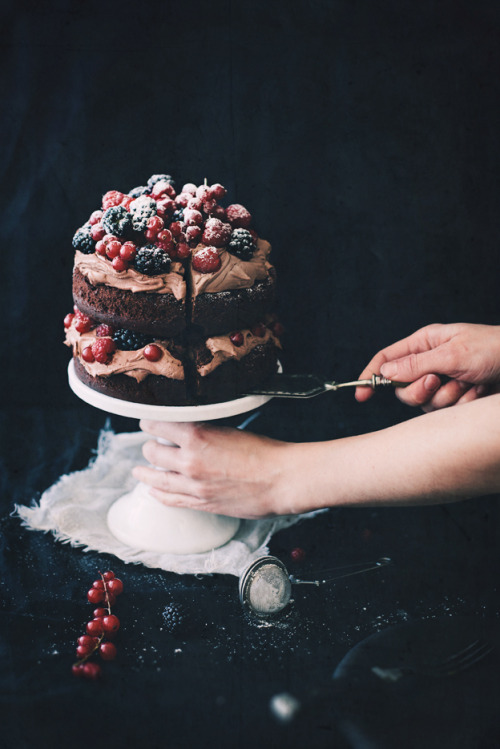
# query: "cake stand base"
139, 520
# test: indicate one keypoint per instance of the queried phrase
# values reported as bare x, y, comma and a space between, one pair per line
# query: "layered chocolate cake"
173, 297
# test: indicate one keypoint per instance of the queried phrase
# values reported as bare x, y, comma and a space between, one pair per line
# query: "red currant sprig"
101, 628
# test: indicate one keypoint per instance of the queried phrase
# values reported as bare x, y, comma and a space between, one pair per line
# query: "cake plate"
140, 521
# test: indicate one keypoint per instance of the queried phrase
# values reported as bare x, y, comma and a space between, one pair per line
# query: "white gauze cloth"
75, 509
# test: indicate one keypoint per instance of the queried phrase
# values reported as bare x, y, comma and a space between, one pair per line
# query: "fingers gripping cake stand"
139, 520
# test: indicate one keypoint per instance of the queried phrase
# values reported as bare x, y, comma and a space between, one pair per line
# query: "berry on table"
206, 260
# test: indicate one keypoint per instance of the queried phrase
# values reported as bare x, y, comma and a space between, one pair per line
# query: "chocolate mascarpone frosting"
98, 270
130, 363
233, 273
222, 349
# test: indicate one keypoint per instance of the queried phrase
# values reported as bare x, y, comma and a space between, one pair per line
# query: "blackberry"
136, 192
83, 240
128, 340
117, 220
158, 178
172, 617
141, 210
152, 260
241, 244
178, 215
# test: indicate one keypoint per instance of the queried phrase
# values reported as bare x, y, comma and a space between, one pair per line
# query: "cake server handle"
374, 381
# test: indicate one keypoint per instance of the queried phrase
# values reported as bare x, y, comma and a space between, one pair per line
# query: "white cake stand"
137, 519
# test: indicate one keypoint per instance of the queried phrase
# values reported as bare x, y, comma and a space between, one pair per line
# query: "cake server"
283, 385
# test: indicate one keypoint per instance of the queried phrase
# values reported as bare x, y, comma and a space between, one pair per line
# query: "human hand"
220, 470
467, 354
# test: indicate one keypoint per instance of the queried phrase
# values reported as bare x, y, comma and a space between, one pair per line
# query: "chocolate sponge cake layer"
160, 315
232, 378
219, 312
154, 390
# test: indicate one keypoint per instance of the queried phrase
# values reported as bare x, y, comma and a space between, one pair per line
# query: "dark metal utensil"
307, 385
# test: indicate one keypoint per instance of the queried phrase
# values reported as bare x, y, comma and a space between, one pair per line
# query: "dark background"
364, 138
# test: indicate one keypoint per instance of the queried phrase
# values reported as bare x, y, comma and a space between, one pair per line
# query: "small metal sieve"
265, 586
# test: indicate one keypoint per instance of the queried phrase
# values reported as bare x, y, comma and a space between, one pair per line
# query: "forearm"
437, 457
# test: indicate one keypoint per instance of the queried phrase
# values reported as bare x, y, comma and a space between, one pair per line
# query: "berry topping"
154, 225
101, 247
206, 260
142, 209
83, 323
102, 331
164, 240
190, 188
152, 260
159, 178
176, 228
152, 352
192, 217
103, 350
183, 199
241, 244
258, 330
216, 233
113, 248
217, 191
128, 340
237, 338
238, 216
112, 198
162, 187
298, 554
183, 250
193, 233
136, 192
68, 320
178, 214
117, 220
165, 206
195, 203
95, 217
97, 232
203, 192
209, 206
128, 251
119, 264
87, 355
83, 240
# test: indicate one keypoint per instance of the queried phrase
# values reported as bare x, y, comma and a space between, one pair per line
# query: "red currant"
77, 669
152, 352
110, 623
108, 575
193, 233
97, 232
217, 191
259, 330
155, 223
113, 248
107, 651
95, 217
119, 264
202, 192
95, 596
183, 199
190, 188
128, 251
99, 612
88, 641
298, 554
237, 338
165, 206
99, 584
95, 626
176, 228
68, 320
91, 670
84, 650
164, 240
209, 206
87, 355
109, 238
101, 247
183, 250
192, 217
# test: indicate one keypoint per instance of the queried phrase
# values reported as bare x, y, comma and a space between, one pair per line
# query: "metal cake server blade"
283, 385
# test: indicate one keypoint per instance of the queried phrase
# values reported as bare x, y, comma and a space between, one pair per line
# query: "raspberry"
103, 350
128, 340
238, 216
104, 330
83, 241
206, 260
141, 209
152, 352
241, 244
237, 338
117, 220
216, 233
112, 198
152, 260
113, 249
126, 201
128, 251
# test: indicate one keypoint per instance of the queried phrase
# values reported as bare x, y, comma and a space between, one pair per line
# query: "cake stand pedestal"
139, 520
